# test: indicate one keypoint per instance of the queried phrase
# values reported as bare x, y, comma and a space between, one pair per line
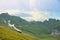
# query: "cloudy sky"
32, 9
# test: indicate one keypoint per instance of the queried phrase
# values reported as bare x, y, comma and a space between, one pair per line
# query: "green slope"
8, 34
39, 29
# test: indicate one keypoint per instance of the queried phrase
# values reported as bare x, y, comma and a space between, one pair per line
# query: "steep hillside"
8, 34
4, 17
35, 28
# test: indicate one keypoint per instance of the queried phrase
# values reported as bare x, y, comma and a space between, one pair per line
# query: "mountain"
14, 19
6, 33
35, 27
41, 30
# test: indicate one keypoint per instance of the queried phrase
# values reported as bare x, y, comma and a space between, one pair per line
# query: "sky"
32, 10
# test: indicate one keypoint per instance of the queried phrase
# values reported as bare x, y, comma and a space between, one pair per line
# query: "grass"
8, 34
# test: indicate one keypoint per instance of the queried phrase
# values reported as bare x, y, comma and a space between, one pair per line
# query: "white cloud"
28, 18
13, 11
35, 15
31, 4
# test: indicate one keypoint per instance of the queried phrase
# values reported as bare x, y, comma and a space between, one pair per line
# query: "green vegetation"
40, 30
8, 34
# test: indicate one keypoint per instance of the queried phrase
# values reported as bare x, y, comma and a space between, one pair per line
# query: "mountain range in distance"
39, 29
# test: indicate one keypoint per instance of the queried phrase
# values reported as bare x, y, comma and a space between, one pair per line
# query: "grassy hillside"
42, 30
8, 34
46, 27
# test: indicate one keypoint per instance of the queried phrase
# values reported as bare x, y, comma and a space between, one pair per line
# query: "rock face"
13, 26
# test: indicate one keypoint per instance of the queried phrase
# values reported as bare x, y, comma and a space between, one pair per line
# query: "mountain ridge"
35, 28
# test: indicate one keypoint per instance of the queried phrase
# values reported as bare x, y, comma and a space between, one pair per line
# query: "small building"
55, 32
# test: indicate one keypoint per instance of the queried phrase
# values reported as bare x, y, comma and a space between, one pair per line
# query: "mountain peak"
4, 13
